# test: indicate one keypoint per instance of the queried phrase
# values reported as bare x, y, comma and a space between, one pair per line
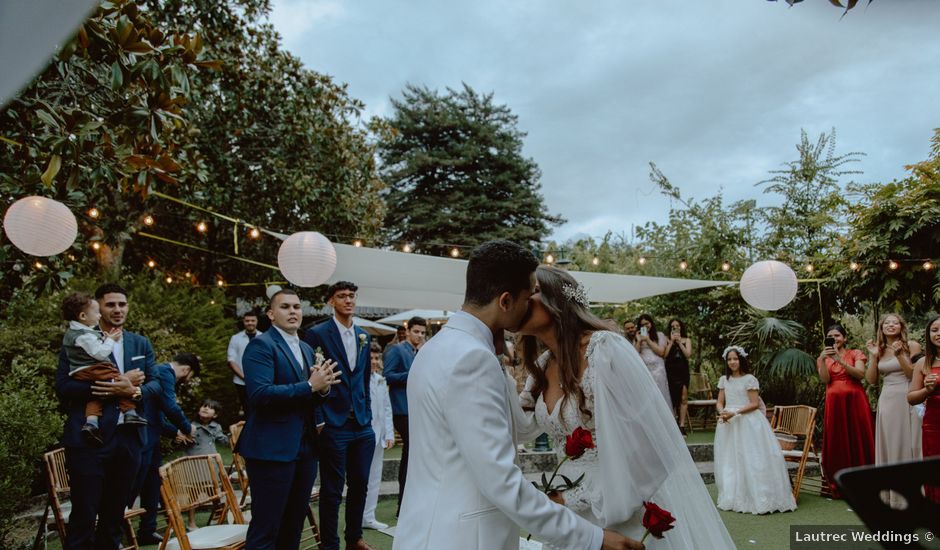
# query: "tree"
283, 146
456, 173
898, 221
99, 128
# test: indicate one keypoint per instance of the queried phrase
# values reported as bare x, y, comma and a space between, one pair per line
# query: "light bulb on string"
809, 268
220, 283
94, 213
596, 261
169, 280
642, 260
188, 274
726, 266
854, 266
148, 220
254, 233
406, 247
357, 243
151, 264
202, 227
928, 265
683, 265
96, 245
38, 265
454, 253
893, 265
549, 259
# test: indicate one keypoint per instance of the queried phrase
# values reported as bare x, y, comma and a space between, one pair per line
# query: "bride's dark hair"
571, 320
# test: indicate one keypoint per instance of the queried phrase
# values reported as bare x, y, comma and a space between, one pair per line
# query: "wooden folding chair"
189, 483
57, 484
799, 421
700, 396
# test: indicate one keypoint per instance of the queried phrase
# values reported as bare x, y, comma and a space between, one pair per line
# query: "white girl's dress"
750, 471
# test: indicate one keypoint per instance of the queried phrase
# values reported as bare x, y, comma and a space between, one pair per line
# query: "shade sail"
401, 280
426, 314
373, 328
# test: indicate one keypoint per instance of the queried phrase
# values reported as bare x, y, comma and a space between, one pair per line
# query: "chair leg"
43, 530
131, 535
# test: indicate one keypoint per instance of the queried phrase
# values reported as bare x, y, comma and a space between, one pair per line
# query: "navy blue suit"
158, 408
398, 361
279, 441
102, 479
347, 443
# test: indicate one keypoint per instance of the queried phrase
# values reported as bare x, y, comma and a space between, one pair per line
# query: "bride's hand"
616, 541
558, 497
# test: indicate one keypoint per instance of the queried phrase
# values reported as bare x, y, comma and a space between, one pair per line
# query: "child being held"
88, 350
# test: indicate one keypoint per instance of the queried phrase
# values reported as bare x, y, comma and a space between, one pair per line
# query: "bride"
592, 378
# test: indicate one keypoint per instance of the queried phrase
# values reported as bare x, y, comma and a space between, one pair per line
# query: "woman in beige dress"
897, 426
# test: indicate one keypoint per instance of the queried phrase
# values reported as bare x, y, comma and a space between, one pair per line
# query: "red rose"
656, 520
579, 441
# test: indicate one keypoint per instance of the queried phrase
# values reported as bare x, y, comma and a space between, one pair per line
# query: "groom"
464, 490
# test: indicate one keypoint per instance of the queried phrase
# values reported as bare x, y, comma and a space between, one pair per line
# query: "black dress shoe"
149, 538
134, 419
92, 435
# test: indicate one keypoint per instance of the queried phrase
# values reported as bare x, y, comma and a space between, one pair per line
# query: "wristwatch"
138, 393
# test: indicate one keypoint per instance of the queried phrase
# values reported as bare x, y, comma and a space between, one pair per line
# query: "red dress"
931, 431
848, 431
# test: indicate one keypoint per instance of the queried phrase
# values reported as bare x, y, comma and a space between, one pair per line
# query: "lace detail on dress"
562, 421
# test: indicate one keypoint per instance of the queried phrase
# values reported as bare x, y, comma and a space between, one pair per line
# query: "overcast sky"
714, 92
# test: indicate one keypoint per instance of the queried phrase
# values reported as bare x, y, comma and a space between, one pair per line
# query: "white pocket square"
136, 357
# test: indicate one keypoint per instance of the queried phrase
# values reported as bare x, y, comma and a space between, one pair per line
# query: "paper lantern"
39, 226
768, 285
272, 290
307, 258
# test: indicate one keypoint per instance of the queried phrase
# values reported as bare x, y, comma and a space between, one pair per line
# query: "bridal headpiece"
738, 349
575, 292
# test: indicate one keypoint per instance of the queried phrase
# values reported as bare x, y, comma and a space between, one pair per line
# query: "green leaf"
117, 77
544, 481
55, 163
47, 118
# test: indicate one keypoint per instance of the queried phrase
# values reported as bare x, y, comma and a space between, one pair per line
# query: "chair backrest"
798, 420
238, 463
699, 386
57, 482
192, 481
236, 431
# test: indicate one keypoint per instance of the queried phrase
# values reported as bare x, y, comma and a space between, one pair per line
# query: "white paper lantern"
272, 290
39, 226
768, 285
307, 258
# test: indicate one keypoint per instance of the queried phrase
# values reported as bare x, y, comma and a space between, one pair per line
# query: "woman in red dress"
848, 432
923, 388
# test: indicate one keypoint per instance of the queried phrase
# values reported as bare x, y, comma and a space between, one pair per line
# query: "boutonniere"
362, 341
318, 357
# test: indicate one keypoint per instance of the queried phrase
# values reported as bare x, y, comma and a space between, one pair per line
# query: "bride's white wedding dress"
639, 456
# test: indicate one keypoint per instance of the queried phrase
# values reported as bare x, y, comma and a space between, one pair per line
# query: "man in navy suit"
279, 441
398, 361
347, 442
102, 478
159, 407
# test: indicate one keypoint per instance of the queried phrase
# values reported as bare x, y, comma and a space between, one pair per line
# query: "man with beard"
236, 348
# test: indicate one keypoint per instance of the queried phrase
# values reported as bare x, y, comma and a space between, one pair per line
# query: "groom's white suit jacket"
464, 491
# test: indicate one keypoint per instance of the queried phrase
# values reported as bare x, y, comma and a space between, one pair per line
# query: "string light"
596, 261
726, 266
549, 259
854, 266
169, 280
357, 243
928, 265
254, 233
96, 245
188, 274
202, 227
220, 283
38, 265
406, 248
148, 220
893, 265
151, 264
642, 260
454, 253
94, 213
809, 268
212, 302
683, 265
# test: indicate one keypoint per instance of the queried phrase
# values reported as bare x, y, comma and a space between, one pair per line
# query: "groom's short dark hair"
496, 267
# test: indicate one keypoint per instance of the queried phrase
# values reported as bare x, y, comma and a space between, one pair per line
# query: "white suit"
464, 490
384, 432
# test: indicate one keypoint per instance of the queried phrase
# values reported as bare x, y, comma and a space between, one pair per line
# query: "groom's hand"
616, 541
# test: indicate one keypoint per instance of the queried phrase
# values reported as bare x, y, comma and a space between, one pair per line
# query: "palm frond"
791, 363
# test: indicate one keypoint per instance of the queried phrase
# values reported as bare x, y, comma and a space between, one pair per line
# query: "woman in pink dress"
848, 434
923, 388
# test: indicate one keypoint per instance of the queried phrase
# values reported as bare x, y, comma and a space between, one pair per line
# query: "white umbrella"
373, 328
427, 314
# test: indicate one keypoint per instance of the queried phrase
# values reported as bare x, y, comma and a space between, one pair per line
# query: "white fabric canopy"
373, 328
426, 314
402, 280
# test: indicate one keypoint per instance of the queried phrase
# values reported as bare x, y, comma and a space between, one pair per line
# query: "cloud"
715, 93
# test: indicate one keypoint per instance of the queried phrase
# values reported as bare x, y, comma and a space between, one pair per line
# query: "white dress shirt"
348, 334
293, 342
236, 349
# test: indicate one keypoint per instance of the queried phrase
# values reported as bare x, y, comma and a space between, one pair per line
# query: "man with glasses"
347, 442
